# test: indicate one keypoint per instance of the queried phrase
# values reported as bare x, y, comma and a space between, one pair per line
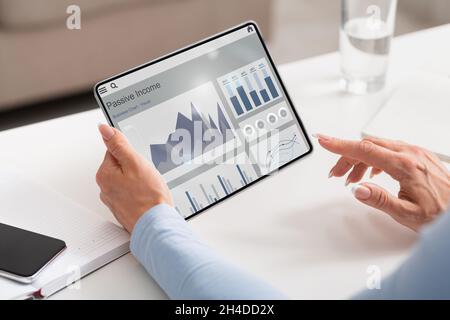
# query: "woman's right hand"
424, 181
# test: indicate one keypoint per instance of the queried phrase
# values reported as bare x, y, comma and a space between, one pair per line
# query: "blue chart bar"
264, 95
271, 86
253, 93
247, 177
196, 203
244, 98
242, 175
208, 197
223, 185
215, 192
255, 98
236, 105
269, 82
190, 200
262, 91
230, 186
250, 87
235, 101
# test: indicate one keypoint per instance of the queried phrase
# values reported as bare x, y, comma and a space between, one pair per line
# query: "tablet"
214, 118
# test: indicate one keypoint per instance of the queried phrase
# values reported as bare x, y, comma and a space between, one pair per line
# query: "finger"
108, 167
343, 165
378, 198
117, 145
357, 173
110, 162
367, 152
374, 172
432, 157
393, 145
105, 200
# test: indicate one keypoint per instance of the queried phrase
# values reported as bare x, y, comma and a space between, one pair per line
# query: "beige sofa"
437, 11
41, 59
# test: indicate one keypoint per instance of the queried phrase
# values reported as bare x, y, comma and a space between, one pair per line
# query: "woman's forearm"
184, 266
424, 275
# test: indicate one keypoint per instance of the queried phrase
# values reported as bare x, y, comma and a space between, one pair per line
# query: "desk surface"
301, 232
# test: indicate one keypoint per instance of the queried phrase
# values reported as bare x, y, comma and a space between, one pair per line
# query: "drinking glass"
366, 31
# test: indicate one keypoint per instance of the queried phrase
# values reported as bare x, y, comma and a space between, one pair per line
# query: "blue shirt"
186, 268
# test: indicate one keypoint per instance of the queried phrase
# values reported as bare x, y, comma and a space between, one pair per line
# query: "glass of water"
366, 31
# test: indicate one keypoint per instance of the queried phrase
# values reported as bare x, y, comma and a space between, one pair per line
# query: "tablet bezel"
197, 44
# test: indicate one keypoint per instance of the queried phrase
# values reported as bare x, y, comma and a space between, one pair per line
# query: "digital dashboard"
213, 118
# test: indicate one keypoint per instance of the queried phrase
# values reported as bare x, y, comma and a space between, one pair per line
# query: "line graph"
278, 148
284, 152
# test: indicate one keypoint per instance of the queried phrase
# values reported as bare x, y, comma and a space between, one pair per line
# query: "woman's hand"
424, 181
129, 184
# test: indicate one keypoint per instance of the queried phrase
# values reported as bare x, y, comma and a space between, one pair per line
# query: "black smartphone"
24, 254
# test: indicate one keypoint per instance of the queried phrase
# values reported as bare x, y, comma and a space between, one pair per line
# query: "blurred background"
47, 71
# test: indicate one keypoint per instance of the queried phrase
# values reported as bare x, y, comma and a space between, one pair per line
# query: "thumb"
378, 198
117, 144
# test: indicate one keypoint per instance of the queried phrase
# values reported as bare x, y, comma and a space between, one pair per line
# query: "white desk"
298, 230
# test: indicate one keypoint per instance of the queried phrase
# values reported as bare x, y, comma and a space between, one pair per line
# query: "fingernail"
361, 192
106, 131
321, 136
347, 182
330, 174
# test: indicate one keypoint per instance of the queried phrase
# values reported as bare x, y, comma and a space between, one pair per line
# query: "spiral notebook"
92, 241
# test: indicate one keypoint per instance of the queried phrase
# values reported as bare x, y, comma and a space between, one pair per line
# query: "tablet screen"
213, 118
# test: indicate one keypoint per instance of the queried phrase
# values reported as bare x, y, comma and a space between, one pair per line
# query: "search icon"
113, 85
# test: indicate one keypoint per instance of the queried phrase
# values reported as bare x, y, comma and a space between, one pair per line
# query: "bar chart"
250, 87
212, 185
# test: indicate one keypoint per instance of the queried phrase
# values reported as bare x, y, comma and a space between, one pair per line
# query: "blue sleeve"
424, 274
184, 266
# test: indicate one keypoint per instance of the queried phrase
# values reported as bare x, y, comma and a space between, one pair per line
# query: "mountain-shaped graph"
193, 128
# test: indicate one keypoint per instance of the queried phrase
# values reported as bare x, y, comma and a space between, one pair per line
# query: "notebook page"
417, 113
34, 207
